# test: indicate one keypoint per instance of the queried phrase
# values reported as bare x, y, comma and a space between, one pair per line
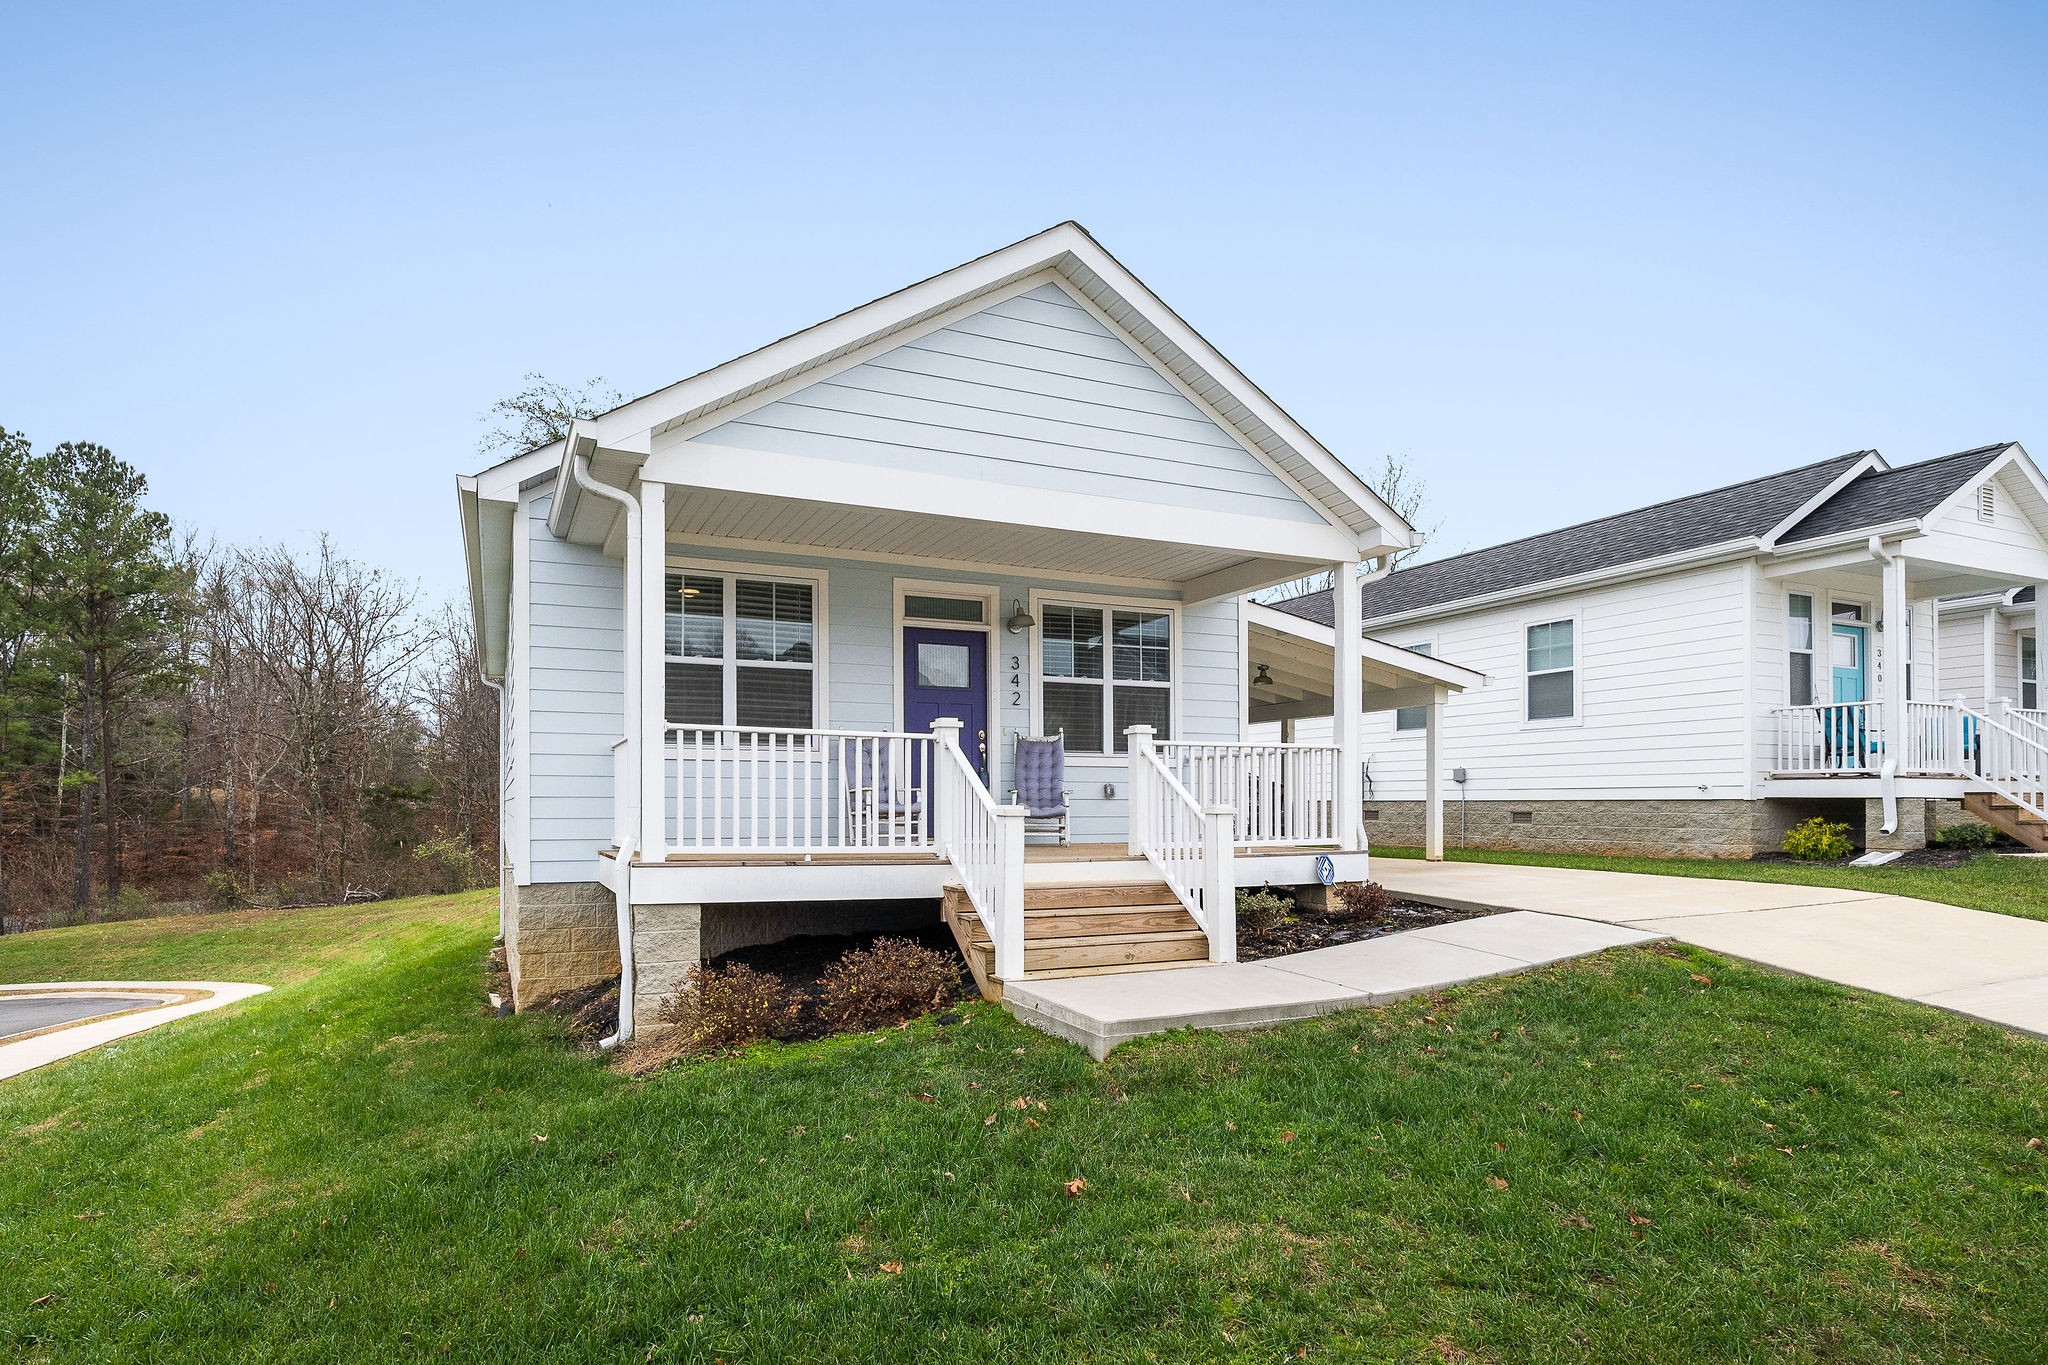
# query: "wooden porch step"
2015, 820
1084, 929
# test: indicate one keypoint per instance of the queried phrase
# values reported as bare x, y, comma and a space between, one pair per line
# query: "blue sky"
1566, 259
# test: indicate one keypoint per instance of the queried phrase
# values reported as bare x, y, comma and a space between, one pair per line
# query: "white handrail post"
1009, 893
946, 734
1219, 886
1140, 745
1958, 752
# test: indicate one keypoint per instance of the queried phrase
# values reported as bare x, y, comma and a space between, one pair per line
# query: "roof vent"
1987, 502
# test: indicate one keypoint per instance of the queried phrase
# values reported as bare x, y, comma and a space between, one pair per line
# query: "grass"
1653, 1155
2009, 886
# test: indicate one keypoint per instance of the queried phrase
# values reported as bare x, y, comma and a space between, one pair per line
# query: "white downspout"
579, 470
1894, 683
499, 688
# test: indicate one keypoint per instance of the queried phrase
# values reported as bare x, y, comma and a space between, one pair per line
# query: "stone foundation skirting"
1689, 829
558, 936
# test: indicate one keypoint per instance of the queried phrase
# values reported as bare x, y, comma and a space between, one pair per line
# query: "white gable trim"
2013, 459
1871, 461
1093, 275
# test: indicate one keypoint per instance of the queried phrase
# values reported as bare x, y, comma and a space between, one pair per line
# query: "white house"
1695, 676
766, 639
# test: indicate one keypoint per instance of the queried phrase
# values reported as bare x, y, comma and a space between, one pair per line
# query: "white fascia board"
1402, 661
1250, 576
1871, 461
698, 464
1552, 587
487, 529
1835, 552
502, 481
2014, 460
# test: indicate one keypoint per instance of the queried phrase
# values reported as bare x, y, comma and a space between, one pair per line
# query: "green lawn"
2010, 886
1652, 1156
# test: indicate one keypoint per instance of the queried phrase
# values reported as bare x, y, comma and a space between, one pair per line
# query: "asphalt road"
30, 1013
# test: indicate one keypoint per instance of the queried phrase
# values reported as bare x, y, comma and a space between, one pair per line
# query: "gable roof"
1067, 250
1750, 509
1885, 496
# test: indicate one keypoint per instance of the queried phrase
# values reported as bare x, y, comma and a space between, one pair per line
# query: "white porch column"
651, 725
1433, 779
1896, 654
1347, 720
2040, 648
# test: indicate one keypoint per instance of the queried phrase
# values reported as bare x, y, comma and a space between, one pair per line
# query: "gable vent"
1987, 502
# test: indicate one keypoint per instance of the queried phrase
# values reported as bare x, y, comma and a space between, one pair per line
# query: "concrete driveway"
1973, 962
45, 1021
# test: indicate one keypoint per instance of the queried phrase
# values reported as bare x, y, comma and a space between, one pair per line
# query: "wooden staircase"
1084, 929
2009, 816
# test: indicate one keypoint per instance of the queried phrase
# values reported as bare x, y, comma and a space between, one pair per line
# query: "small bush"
891, 982
1971, 835
1818, 840
1365, 900
731, 1006
446, 864
222, 891
1258, 911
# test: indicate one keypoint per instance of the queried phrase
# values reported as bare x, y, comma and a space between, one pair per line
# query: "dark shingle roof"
1878, 499
1750, 508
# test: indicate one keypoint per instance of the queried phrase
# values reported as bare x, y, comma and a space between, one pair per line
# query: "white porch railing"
984, 842
2013, 764
1845, 737
801, 791
2029, 724
1282, 793
623, 806
1187, 842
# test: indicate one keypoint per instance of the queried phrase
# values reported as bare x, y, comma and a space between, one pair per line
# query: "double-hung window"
1552, 686
1413, 717
2030, 672
740, 650
1103, 670
1799, 648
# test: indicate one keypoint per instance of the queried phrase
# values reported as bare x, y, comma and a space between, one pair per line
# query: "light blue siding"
575, 682
860, 675
1032, 391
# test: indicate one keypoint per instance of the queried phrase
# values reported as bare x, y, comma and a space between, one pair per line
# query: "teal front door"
1846, 658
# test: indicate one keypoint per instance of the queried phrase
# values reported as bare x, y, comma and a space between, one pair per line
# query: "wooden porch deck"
1035, 855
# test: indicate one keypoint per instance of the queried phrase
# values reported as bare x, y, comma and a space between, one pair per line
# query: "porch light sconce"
1020, 619
1263, 678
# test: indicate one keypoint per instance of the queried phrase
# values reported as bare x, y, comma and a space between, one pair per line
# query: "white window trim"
1871, 638
1578, 670
1428, 647
990, 595
2020, 640
816, 579
1815, 599
1176, 685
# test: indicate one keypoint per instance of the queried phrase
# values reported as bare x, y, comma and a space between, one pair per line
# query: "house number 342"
1016, 680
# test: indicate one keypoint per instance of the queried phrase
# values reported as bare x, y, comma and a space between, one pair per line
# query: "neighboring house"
1695, 676
767, 637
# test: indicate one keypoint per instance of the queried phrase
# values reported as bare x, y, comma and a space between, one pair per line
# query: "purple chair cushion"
1042, 775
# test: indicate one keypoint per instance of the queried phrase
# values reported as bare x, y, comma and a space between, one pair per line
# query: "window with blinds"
740, 651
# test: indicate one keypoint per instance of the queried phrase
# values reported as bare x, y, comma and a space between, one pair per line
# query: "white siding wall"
2007, 529
1664, 704
575, 692
1034, 391
860, 651
1963, 662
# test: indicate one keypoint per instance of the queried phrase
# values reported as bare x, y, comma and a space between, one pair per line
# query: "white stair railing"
1187, 842
984, 842
2030, 724
801, 791
2013, 764
1283, 793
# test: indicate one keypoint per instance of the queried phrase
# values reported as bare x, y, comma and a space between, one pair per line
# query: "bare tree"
541, 412
1401, 488
462, 720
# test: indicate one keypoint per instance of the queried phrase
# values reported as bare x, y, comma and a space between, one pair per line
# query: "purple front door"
945, 673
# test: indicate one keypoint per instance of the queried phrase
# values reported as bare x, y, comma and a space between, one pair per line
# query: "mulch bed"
593, 1010
801, 962
1305, 930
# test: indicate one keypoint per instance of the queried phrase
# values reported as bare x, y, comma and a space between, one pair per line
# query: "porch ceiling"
748, 520
1857, 574
1297, 656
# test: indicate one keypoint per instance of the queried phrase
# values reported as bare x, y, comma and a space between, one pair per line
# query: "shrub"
1970, 835
1818, 840
1365, 900
222, 891
731, 1006
1258, 911
888, 983
447, 863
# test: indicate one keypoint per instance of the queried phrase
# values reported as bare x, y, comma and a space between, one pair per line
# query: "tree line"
182, 720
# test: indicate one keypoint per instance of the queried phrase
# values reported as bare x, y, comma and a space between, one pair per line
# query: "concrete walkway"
1973, 962
1099, 1012
150, 1003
